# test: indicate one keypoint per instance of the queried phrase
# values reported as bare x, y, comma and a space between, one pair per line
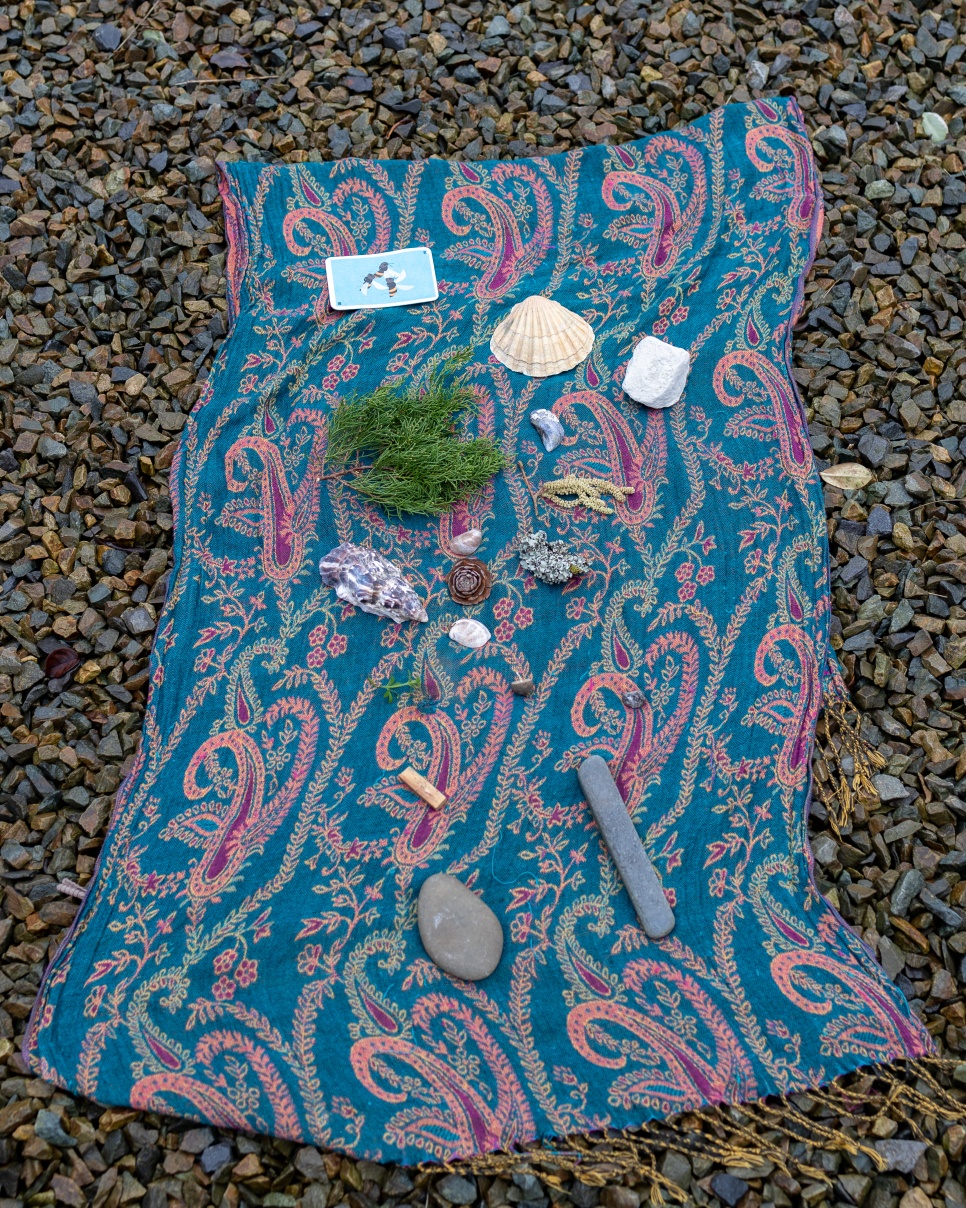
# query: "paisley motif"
785, 156
282, 518
793, 710
662, 1067
450, 1113
780, 416
662, 203
231, 833
615, 453
639, 752
500, 245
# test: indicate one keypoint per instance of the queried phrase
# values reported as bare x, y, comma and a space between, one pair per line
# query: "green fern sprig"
405, 452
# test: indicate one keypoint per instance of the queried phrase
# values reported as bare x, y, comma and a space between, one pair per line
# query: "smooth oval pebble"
460, 933
470, 633
467, 543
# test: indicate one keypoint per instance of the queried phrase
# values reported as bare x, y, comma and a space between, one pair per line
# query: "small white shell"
468, 632
466, 543
550, 428
539, 337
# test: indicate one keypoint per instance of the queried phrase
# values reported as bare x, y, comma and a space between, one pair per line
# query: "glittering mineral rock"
550, 428
550, 561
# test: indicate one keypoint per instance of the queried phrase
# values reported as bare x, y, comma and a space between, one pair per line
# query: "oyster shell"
466, 543
363, 577
539, 337
550, 428
470, 633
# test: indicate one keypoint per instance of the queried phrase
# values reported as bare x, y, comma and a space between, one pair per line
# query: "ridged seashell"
539, 337
550, 428
363, 577
470, 633
466, 543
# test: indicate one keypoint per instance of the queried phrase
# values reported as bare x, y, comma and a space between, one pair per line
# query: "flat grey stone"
728, 1189
889, 788
900, 1155
456, 1190
459, 931
906, 888
625, 847
49, 1128
892, 958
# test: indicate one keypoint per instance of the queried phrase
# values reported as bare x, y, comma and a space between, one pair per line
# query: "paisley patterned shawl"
247, 954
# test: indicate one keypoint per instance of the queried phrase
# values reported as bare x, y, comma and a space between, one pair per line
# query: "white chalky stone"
657, 373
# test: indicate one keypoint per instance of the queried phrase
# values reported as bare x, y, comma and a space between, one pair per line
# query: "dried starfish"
589, 493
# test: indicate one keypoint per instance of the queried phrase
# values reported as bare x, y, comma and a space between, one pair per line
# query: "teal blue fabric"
248, 952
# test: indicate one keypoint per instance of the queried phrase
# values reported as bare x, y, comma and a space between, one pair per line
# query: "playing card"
401, 278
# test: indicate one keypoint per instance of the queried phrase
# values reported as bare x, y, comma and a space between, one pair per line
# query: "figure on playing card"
385, 277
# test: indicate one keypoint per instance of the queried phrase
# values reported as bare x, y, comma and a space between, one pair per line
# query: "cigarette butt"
422, 788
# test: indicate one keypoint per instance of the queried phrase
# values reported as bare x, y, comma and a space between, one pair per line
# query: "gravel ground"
112, 298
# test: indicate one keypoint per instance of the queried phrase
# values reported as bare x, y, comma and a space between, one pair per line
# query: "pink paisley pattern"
617, 456
488, 212
663, 202
780, 417
665, 1065
451, 1113
283, 519
785, 156
795, 710
248, 953
231, 834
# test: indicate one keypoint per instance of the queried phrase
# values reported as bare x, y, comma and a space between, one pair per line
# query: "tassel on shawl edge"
837, 789
741, 1135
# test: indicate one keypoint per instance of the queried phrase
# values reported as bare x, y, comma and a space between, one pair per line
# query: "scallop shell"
470, 633
539, 337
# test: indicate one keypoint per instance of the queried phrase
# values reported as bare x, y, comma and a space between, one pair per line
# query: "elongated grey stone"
625, 847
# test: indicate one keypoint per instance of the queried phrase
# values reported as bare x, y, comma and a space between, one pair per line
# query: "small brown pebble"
522, 687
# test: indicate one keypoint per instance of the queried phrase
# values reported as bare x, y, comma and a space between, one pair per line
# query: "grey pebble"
906, 888
459, 931
454, 1189
49, 1128
900, 1155
626, 849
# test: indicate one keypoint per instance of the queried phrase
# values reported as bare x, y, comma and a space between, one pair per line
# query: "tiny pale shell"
466, 543
468, 632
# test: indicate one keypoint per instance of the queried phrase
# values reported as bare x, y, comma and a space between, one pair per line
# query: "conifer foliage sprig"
401, 448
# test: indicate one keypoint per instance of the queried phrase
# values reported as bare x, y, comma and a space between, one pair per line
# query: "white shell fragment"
934, 127
470, 633
363, 577
847, 476
657, 373
466, 543
539, 337
550, 428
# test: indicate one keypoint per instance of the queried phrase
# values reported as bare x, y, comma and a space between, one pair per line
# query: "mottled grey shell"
363, 577
550, 428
